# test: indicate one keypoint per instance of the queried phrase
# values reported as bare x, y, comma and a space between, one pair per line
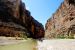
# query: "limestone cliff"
62, 22
16, 21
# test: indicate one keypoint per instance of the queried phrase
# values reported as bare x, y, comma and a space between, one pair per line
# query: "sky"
42, 10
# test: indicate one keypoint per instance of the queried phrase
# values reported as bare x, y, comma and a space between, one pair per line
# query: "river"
30, 44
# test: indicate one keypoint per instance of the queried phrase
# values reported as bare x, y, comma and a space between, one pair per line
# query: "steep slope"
16, 21
62, 22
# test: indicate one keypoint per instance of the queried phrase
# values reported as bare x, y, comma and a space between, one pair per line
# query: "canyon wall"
16, 20
62, 22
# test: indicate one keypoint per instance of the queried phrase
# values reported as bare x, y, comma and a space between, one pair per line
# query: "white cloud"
27, 8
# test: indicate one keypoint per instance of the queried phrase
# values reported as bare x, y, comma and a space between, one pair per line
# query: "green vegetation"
60, 37
65, 37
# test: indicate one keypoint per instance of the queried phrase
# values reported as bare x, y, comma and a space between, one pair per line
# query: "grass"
27, 45
63, 37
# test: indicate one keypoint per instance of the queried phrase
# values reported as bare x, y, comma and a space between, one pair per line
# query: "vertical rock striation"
16, 21
62, 22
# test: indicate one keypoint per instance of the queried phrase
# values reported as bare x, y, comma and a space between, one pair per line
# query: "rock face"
62, 22
16, 21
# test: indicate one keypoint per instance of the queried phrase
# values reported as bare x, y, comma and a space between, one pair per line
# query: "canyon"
19, 28
16, 21
62, 22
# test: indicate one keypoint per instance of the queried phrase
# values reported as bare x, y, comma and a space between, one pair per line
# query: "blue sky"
42, 10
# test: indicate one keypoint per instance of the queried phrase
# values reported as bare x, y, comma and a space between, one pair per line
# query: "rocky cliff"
62, 22
16, 21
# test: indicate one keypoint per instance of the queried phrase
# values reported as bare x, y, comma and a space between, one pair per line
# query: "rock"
16, 21
62, 22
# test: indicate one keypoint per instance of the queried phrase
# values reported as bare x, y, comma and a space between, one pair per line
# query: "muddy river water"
19, 45
55, 44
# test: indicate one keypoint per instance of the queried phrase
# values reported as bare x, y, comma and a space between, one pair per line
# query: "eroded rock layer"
62, 22
16, 21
